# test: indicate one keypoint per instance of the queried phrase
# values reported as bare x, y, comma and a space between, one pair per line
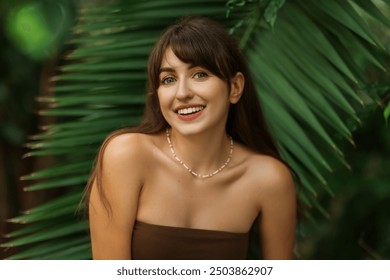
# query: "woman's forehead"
170, 60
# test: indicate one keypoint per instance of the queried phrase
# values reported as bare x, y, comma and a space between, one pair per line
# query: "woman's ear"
236, 87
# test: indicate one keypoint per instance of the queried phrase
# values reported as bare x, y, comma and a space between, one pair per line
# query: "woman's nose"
183, 90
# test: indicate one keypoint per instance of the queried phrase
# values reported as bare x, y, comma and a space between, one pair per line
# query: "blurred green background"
32, 36
34, 39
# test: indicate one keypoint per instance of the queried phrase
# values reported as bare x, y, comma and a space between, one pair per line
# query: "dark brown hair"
201, 42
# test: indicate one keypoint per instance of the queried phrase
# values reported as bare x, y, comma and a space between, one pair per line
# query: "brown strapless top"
155, 242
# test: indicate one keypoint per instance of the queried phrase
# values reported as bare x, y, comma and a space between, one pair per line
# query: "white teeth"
190, 110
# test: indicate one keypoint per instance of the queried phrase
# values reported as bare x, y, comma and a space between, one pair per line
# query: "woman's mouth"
190, 113
190, 110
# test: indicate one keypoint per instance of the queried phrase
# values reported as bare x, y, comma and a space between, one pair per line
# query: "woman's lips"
189, 117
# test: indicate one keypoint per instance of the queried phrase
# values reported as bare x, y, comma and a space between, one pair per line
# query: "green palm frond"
308, 59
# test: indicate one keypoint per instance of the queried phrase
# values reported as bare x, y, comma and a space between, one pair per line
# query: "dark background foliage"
24, 76
358, 226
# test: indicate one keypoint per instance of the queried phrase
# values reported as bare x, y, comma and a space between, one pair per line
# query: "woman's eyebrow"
167, 69
172, 70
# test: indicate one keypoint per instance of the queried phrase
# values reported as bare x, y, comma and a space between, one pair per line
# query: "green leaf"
60, 182
50, 248
386, 112
65, 200
75, 252
59, 170
372, 10
346, 15
58, 231
271, 11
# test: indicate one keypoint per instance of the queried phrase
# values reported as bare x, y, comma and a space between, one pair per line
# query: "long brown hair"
201, 42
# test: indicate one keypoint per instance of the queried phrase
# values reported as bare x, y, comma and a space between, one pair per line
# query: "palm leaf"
308, 66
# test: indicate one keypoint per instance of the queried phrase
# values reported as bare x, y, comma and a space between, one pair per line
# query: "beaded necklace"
192, 171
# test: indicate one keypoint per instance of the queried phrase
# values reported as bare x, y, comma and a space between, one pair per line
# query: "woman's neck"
204, 153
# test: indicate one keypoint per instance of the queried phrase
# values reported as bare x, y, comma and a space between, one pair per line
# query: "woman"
192, 179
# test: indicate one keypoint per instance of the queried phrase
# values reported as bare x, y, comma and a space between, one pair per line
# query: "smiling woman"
201, 169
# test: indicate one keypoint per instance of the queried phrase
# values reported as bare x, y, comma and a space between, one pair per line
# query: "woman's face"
192, 99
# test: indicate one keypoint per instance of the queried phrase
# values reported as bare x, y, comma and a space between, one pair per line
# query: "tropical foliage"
308, 58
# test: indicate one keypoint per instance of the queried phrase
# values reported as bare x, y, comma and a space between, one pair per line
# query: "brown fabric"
155, 242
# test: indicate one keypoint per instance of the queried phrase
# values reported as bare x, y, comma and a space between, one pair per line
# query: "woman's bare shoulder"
130, 150
273, 169
128, 144
268, 174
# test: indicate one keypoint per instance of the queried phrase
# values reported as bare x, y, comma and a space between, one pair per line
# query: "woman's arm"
111, 229
277, 219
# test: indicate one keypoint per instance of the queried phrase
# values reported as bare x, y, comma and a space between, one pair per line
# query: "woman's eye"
167, 80
200, 75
